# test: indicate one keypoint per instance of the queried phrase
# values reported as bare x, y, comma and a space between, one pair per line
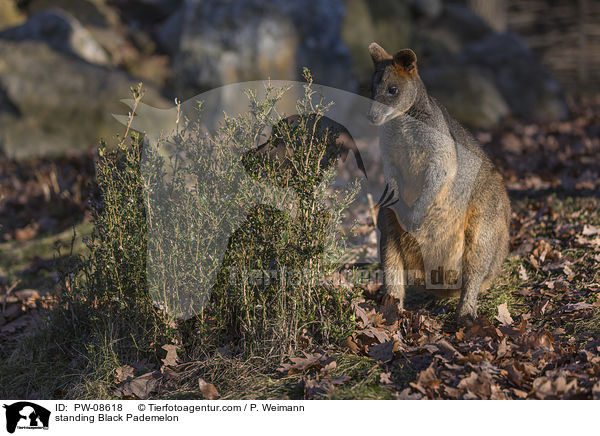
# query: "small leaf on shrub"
382, 352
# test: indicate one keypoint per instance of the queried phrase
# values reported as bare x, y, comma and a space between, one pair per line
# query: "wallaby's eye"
392, 90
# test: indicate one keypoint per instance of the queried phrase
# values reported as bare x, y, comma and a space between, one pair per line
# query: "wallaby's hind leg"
467, 306
391, 256
485, 249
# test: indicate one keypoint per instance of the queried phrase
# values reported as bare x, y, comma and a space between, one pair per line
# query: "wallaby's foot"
392, 307
466, 318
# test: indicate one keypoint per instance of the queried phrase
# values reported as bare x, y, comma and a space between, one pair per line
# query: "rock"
221, 42
7, 106
10, 15
91, 13
8, 299
428, 8
101, 20
169, 32
26, 294
387, 21
11, 312
56, 102
62, 32
162, 7
466, 24
498, 70
528, 88
469, 95
358, 30
441, 39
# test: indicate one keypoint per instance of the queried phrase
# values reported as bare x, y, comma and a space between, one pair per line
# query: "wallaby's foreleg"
391, 257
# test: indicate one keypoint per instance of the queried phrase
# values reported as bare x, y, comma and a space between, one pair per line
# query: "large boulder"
62, 32
216, 42
483, 76
92, 13
101, 20
442, 38
54, 103
389, 21
162, 8
527, 86
469, 95
121, 29
10, 15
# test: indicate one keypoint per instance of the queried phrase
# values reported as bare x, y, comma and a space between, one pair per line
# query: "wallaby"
444, 214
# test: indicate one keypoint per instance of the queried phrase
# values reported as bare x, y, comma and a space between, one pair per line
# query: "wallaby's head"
394, 85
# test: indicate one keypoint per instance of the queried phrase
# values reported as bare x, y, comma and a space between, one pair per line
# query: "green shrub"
153, 273
106, 294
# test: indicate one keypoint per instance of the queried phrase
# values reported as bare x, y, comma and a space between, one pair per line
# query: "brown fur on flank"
448, 212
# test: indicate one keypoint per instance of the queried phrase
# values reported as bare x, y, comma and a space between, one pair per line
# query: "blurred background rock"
65, 64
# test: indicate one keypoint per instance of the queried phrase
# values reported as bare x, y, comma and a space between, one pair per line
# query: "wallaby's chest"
407, 148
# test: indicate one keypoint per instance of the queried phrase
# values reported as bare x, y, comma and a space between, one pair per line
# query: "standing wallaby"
444, 215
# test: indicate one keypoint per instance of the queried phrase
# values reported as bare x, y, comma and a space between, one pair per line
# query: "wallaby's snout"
378, 113
371, 117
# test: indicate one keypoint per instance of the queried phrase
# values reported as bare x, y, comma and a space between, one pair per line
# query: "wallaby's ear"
378, 54
405, 62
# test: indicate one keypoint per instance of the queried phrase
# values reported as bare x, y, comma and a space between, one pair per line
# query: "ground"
537, 336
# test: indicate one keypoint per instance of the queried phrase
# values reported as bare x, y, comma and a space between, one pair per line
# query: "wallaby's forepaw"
410, 219
387, 198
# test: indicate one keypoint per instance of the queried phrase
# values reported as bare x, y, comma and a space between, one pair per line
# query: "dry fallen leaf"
125, 372
139, 387
589, 230
519, 393
385, 378
407, 394
313, 387
373, 332
504, 315
573, 307
547, 388
352, 346
171, 358
382, 352
208, 390
427, 379
523, 273
478, 384
317, 360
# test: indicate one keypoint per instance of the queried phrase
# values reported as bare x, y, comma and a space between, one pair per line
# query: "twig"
8, 291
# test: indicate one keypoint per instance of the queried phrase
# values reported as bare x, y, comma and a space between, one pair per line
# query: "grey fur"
447, 211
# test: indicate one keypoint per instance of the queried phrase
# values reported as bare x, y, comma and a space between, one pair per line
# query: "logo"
26, 415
